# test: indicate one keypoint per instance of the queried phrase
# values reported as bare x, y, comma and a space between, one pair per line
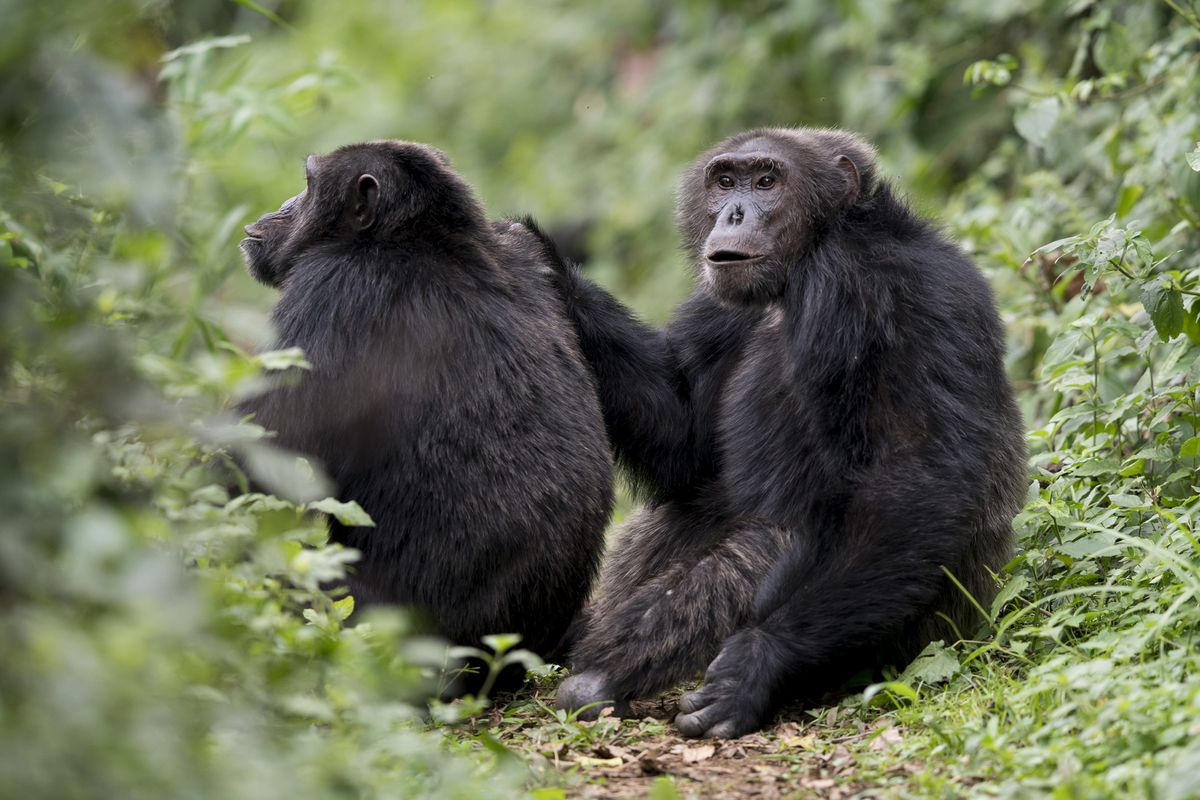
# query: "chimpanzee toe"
588, 693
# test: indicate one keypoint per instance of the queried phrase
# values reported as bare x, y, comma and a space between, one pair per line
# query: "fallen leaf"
702, 753
587, 761
731, 751
613, 751
800, 742
789, 729
886, 738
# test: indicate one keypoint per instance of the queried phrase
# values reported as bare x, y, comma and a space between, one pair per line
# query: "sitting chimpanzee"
447, 394
825, 435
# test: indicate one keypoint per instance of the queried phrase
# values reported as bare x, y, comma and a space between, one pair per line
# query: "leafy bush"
165, 635
164, 638
1089, 684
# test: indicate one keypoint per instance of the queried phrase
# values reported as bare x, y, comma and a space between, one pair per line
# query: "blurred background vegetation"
162, 638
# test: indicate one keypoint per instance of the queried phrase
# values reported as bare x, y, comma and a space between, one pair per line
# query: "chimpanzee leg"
677, 586
885, 573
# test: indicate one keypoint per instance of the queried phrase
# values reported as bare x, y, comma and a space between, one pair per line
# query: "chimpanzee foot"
715, 712
731, 703
589, 694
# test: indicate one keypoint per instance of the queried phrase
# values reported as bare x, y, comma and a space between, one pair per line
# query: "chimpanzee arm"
645, 394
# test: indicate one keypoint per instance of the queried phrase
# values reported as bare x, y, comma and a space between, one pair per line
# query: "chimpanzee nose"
736, 215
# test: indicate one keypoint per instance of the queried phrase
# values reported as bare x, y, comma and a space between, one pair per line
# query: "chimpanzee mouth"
732, 257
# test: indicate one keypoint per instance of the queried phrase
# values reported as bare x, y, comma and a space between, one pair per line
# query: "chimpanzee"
824, 433
447, 395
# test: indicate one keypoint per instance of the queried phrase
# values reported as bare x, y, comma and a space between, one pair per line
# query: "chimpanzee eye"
725, 182
766, 182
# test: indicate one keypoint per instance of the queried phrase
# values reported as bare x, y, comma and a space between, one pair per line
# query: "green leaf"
1010, 590
350, 513
935, 664
1114, 52
1129, 197
1190, 448
1067, 244
1037, 120
283, 473
663, 788
1088, 545
462, 652
344, 608
496, 747
283, 359
1191, 322
1193, 158
896, 690
998, 72
1095, 467
502, 642
528, 659
1155, 452
1062, 348
204, 46
1132, 468
266, 12
1164, 304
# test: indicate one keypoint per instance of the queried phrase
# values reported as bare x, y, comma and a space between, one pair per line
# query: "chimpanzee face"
751, 208
266, 237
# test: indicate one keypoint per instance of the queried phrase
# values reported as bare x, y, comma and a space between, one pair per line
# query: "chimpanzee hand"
736, 696
527, 236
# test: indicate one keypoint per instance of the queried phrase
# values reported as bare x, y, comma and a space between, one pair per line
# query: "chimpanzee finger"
695, 700
697, 724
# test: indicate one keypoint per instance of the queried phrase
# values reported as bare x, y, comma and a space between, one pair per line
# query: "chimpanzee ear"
852, 178
364, 201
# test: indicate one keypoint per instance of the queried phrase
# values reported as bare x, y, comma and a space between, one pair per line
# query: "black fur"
823, 431
447, 396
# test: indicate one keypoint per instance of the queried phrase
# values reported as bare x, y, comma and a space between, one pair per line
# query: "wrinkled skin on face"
266, 237
751, 207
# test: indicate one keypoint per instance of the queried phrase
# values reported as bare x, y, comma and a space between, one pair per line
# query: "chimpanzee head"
360, 195
751, 207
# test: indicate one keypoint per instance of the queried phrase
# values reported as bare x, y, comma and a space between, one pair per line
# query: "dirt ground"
806, 754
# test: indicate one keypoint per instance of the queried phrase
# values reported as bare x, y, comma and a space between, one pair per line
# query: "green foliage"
163, 638
167, 636
1088, 681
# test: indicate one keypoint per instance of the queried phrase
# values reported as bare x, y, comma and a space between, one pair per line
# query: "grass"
1086, 692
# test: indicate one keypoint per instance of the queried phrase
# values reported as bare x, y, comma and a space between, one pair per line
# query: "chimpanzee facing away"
447, 396
825, 433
